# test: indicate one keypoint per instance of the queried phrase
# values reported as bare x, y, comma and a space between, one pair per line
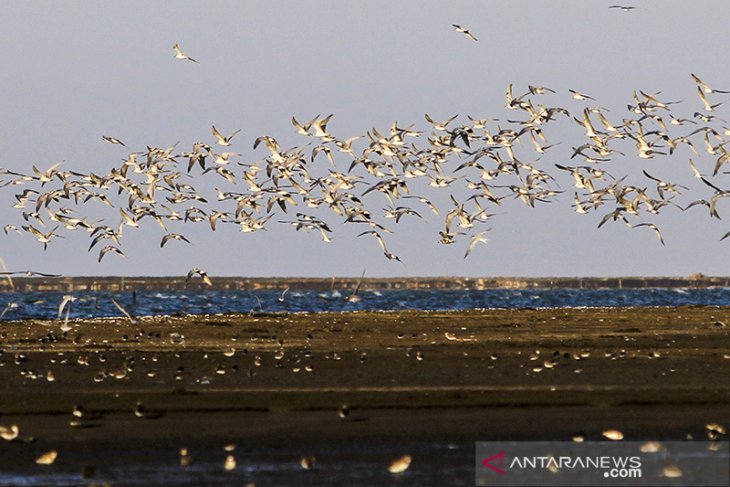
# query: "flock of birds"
376, 180
480, 155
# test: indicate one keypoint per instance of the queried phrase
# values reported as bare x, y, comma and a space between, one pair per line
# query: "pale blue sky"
74, 71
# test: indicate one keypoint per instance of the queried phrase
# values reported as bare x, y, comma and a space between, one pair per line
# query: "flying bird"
580, 96
704, 86
653, 227
201, 273
625, 8
705, 102
113, 140
181, 55
464, 31
173, 236
110, 248
477, 238
29, 274
224, 141
66, 300
354, 298
124, 311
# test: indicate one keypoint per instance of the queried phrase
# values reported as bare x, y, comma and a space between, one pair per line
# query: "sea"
97, 304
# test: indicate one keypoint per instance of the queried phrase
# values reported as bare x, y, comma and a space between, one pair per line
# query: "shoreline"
140, 283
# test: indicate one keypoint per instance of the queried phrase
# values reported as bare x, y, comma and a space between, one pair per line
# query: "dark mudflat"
275, 384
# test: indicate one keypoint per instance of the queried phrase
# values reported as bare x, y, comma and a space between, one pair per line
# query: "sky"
74, 71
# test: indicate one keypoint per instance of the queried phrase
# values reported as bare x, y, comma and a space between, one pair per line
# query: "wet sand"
267, 381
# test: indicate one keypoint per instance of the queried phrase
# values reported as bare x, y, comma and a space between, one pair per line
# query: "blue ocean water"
89, 304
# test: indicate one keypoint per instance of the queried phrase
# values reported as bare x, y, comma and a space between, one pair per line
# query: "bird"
124, 311
425, 202
44, 238
695, 171
47, 458
181, 55
653, 227
380, 240
581, 96
141, 412
307, 462
303, 129
476, 238
112, 140
173, 236
355, 298
400, 465
464, 31
203, 274
539, 90
625, 8
224, 141
704, 86
441, 126
29, 274
110, 248
8, 307
703, 98
67, 300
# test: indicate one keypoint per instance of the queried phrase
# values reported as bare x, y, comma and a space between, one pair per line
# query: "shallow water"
44, 305
360, 462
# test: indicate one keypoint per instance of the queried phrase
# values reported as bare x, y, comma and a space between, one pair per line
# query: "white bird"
464, 31
47, 458
401, 464
181, 55
43, 238
124, 311
440, 126
224, 141
107, 249
580, 96
112, 140
705, 87
653, 227
201, 273
477, 238
695, 171
173, 236
66, 300
8, 307
703, 98
354, 298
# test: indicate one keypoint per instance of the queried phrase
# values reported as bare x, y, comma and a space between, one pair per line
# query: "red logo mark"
488, 462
